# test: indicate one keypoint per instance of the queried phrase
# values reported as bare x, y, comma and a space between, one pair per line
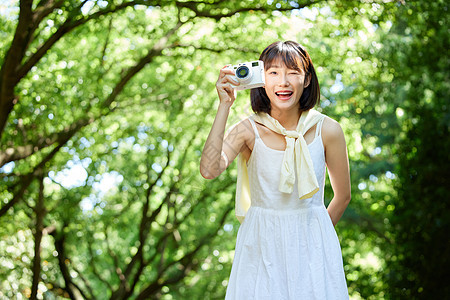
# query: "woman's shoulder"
243, 129
331, 129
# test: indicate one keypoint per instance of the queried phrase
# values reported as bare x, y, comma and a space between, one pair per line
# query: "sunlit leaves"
142, 150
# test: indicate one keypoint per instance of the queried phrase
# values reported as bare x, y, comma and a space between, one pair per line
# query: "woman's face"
284, 86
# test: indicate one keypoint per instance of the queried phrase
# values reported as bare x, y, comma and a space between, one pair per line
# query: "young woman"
286, 247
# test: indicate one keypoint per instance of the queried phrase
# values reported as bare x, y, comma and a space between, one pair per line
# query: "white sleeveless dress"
286, 248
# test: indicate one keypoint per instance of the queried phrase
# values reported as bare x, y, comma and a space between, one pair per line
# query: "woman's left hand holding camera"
225, 86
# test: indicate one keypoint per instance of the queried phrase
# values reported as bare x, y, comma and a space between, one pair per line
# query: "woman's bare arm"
338, 168
218, 151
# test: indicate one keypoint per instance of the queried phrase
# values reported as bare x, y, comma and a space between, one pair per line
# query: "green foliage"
420, 221
115, 114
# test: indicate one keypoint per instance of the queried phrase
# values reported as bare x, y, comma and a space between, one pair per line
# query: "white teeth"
284, 93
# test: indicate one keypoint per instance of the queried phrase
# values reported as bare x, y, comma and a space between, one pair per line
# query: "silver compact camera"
250, 75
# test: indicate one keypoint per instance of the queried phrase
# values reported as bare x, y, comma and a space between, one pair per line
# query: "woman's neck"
287, 118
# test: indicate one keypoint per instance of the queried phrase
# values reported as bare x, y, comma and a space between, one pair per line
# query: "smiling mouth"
284, 95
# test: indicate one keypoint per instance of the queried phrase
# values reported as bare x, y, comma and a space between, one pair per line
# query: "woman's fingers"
227, 75
227, 92
229, 89
227, 80
226, 84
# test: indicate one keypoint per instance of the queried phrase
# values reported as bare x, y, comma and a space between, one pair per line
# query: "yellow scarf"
296, 156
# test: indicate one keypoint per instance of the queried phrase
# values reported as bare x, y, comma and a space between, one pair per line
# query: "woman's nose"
283, 80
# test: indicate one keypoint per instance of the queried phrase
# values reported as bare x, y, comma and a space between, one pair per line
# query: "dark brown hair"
294, 57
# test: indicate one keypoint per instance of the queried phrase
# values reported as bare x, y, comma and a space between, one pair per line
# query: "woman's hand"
224, 86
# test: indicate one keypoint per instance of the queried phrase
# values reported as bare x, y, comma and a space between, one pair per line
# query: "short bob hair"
294, 57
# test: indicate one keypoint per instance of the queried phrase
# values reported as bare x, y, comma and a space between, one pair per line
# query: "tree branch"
12, 71
105, 45
146, 220
43, 10
155, 51
216, 50
86, 283
162, 248
66, 27
21, 152
12, 60
206, 12
72, 289
155, 286
26, 180
186, 262
94, 268
122, 279
40, 212
17, 153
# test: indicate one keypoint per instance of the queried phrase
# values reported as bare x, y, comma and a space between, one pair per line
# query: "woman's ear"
307, 80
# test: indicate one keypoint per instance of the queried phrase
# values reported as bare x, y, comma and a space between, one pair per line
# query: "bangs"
284, 54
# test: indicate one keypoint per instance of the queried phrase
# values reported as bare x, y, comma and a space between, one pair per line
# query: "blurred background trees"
104, 108
420, 219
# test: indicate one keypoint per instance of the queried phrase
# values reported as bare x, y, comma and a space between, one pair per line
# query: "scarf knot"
292, 134
297, 158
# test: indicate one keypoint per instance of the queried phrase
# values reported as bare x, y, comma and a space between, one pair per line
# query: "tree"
417, 45
104, 88
105, 107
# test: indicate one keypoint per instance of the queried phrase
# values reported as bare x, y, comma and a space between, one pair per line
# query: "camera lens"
242, 72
